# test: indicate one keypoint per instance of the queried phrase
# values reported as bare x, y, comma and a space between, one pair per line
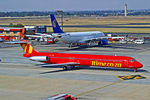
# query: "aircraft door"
126, 62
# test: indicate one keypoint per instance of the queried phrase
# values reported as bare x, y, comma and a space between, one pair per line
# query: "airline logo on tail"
54, 23
27, 48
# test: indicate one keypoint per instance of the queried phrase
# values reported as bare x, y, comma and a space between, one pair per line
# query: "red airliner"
71, 60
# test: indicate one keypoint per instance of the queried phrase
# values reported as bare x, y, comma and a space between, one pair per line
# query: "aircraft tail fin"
27, 48
55, 25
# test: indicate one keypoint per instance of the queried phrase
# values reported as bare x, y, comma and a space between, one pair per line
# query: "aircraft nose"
139, 65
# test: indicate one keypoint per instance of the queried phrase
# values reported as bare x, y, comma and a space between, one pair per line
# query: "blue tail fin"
55, 25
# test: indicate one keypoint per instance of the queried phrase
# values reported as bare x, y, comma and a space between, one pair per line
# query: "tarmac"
22, 79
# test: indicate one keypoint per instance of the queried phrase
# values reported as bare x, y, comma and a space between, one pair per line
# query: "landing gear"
135, 70
89, 44
65, 68
73, 67
99, 43
70, 45
68, 67
73, 45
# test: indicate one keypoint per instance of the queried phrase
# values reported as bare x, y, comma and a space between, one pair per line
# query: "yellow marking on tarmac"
131, 77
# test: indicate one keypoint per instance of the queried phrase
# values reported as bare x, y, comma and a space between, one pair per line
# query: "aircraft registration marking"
131, 77
105, 64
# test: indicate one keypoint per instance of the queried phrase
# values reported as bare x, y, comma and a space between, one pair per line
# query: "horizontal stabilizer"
17, 42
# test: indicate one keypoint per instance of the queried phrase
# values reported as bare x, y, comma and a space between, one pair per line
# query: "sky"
69, 5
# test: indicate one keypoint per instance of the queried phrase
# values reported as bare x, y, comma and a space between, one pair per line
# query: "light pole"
61, 13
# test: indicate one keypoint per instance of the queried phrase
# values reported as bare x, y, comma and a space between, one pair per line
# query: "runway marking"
131, 77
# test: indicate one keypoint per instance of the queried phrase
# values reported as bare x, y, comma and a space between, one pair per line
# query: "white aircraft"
78, 38
40, 36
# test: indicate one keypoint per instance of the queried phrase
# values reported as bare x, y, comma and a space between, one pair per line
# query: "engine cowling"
39, 58
103, 42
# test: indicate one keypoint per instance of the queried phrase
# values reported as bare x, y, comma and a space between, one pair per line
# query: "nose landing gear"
135, 70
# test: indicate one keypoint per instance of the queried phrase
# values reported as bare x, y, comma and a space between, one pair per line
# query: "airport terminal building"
15, 33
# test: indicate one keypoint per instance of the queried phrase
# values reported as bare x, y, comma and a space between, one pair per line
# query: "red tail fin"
28, 49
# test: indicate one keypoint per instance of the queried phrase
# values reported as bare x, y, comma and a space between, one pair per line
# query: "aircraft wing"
48, 36
17, 42
61, 64
45, 35
37, 36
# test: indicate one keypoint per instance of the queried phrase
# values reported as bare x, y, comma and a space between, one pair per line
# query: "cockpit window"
132, 60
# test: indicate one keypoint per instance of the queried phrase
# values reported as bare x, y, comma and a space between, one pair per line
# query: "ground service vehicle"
139, 41
60, 97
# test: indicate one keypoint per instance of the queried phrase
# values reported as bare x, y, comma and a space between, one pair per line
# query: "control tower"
125, 10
